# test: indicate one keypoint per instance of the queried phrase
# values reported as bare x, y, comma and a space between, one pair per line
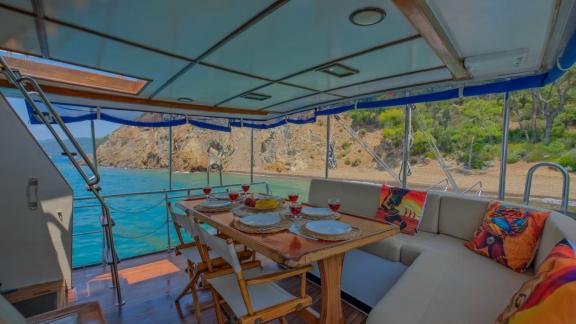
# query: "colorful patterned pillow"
549, 297
402, 207
509, 235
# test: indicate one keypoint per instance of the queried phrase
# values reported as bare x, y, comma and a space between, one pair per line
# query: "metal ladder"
565, 183
23, 83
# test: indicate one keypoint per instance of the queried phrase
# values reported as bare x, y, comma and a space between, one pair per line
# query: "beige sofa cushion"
429, 221
447, 283
558, 226
391, 247
357, 198
460, 215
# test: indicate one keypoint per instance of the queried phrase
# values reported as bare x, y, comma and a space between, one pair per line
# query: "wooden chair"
196, 266
252, 294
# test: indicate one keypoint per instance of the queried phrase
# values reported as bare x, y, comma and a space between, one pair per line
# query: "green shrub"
536, 153
347, 161
568, 160
362, 132
356, 162
556, 147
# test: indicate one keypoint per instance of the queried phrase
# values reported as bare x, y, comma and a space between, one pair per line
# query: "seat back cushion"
459, 215
558, 226
429, 221
357, 198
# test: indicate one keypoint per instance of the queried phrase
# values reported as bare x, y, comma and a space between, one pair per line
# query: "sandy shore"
547, 183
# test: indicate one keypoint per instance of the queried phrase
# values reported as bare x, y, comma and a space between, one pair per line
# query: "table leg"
331, 276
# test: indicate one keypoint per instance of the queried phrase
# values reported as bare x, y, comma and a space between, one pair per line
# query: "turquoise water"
141, 220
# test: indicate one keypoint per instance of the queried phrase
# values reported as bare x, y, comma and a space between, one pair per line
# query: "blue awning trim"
71, 113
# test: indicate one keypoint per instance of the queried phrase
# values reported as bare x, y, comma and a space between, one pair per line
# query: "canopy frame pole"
170, 184
406, 149
251, 155
504, 153
327, 159
95, 161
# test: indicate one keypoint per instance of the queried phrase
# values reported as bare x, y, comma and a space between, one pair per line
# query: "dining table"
293, 250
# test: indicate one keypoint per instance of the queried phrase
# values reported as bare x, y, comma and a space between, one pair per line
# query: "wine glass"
233, 196
295, 209
207, 190
334, 204
245, 188
293, 197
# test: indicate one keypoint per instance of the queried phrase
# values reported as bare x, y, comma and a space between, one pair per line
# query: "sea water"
141, 221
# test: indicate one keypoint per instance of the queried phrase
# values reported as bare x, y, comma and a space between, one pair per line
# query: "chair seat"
192, 254
262, 296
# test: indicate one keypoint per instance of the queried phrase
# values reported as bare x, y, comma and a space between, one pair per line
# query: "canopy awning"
265, 63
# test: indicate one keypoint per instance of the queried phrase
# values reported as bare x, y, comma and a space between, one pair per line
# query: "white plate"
261, 220
220, 196
328, 227
215, 204
317, 212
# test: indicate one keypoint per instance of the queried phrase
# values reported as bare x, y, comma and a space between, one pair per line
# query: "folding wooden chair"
252, 294
196, 266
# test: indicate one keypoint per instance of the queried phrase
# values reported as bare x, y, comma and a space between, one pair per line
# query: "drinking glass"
334, 204
293, 198
295, 209
207, 190
233, 195
245, 188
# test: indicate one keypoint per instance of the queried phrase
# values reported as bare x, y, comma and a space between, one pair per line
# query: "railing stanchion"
167, 222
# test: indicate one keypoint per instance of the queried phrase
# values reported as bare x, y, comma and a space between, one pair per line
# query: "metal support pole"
170, 155
167, 223
406, 148
170, 185
95, 162
251, 155
327, 162
504, 154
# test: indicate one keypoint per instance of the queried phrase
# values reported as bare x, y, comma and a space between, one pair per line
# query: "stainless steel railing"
565, 183
23, 83
166, 195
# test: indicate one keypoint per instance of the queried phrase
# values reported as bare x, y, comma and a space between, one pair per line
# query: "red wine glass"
334, 204
207, 190
295, 209
293, 198
233, 195
245, 188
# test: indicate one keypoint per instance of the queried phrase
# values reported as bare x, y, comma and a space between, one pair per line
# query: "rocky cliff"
288, 148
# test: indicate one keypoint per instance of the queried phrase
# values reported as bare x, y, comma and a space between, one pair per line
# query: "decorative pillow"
509, 235
549, 297
402, 207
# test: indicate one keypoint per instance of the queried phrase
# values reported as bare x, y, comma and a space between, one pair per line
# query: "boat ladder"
565, 183
23, 84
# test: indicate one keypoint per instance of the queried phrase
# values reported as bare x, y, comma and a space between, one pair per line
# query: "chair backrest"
9, 314
181, 221
224, 248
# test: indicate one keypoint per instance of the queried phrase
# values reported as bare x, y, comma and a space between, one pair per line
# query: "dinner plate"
215, 204
261, 220
317, 212
328, 227
220, 196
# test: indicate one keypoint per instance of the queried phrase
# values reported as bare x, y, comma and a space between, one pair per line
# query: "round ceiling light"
185, 100
367, 16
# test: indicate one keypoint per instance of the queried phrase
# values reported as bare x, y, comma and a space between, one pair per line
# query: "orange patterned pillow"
549, 296
509, 235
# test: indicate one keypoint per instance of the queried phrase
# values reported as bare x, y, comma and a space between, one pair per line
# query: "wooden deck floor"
151, 283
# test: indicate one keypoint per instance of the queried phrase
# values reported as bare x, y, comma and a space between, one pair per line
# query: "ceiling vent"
339, 70
256, 96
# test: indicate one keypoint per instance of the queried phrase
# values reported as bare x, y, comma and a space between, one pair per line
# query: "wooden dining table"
294, 250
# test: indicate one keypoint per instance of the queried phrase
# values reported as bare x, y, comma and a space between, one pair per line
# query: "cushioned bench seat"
444, 282
447, 283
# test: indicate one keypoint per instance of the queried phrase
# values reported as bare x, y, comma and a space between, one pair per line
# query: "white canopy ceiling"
216, 51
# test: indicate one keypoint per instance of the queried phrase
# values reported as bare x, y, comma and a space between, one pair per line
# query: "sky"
80, 129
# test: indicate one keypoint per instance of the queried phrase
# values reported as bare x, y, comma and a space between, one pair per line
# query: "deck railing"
165, 195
